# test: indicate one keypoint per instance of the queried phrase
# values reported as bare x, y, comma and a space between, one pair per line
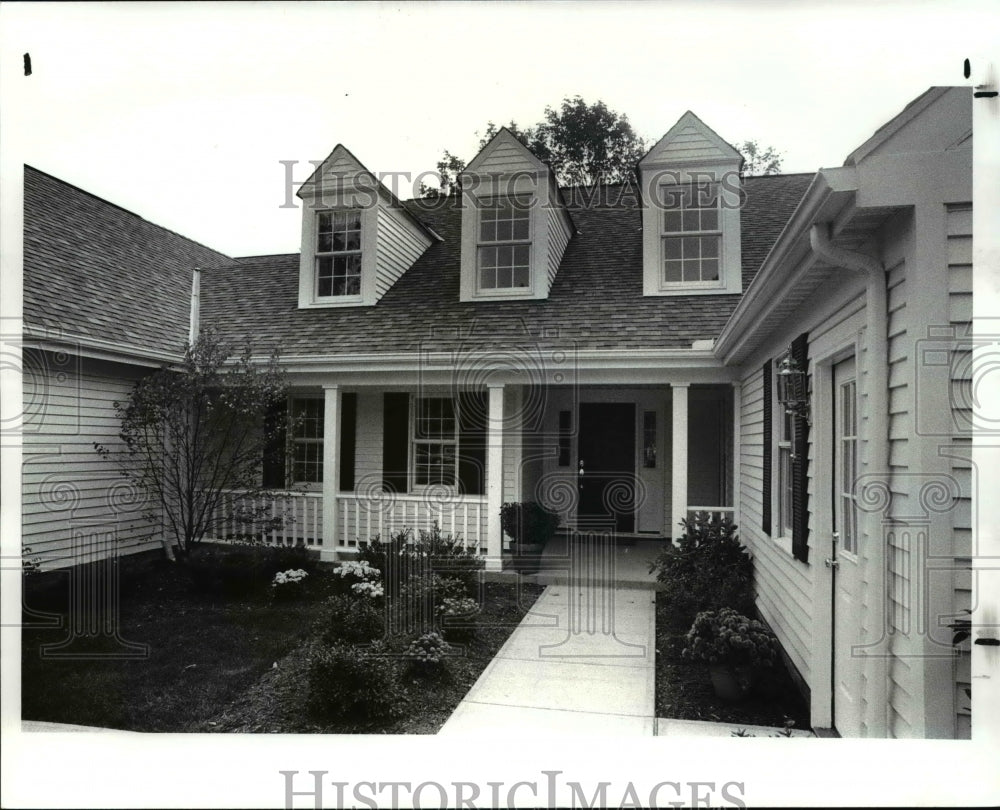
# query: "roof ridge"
126, 211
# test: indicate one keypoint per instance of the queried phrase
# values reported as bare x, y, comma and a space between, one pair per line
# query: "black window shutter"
765, 489
348, 440
800, 465
472, 443
275, 454
395, 441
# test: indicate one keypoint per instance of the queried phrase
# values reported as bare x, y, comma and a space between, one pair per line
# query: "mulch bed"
217, 663
684, 689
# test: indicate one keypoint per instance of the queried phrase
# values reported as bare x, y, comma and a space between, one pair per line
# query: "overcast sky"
182, 113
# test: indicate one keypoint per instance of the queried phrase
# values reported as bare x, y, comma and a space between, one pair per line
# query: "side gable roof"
690, 140
96, 272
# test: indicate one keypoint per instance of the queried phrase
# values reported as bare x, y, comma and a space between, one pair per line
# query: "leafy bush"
346, 681
426, 654
402, 557
728, 638
707, 569
528, 522
347, 618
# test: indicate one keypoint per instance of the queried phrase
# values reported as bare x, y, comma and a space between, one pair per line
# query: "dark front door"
607, 466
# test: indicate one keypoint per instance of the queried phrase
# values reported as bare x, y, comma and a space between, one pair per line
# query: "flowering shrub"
458, 617
373, 590
426, 654
349, 681
288, 584
728, 638
357, 568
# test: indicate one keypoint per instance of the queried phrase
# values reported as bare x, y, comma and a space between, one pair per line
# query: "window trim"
414, 487
317, 255
663, 235
294, 441
526, 203
781, 534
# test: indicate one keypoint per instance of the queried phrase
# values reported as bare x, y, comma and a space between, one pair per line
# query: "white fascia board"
97, 349
597, 359
829, 191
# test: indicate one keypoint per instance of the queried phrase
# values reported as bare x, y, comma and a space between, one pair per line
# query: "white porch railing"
716, 513
360, 517
302, 514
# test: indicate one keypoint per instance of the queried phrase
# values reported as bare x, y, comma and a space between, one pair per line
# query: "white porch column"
494, 478
331, 466
679, 461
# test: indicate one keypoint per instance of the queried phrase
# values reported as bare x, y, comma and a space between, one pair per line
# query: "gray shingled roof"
596, 300
94, 270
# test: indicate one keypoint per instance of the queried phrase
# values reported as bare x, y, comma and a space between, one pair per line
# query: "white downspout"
194, 324
877, 384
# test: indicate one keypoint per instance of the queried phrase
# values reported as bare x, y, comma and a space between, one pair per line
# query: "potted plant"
529, 525
734, 647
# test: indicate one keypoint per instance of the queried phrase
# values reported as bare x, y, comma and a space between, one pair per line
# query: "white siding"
399, 246
558, 234
75, 504
688, 144
506, 157
959, 229
784, 586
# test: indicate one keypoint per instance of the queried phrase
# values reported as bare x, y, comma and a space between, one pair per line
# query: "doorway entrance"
847, 579
606, 466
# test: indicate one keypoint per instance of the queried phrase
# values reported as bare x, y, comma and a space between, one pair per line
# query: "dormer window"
691, 200
338, 254
692, 237
515, 225
357, 238
504, 249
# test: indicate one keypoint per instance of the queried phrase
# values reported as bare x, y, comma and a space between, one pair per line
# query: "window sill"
783, 543
340, 301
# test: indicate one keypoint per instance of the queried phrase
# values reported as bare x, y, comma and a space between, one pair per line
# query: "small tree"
192, 433
759, 160
583, 143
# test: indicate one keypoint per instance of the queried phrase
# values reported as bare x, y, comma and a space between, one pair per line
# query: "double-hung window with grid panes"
307, 441
692, 236
786, 439
338, 254
504, 246
435, 442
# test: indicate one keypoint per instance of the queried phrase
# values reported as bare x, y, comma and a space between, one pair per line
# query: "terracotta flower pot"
728, 683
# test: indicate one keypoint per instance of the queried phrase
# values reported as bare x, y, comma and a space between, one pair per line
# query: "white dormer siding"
691, 199
515, 227
357, 239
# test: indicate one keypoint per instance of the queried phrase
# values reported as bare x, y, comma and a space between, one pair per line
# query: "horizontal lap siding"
903, 708
959, 229
559, 234
506, 158
784, 586
398, 248
66, 487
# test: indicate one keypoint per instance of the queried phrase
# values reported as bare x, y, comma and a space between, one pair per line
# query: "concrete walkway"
581, 662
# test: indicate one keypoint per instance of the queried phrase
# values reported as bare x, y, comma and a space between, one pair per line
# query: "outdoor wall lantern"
792, 392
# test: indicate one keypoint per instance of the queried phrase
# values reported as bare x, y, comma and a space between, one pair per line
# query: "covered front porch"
632, 460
